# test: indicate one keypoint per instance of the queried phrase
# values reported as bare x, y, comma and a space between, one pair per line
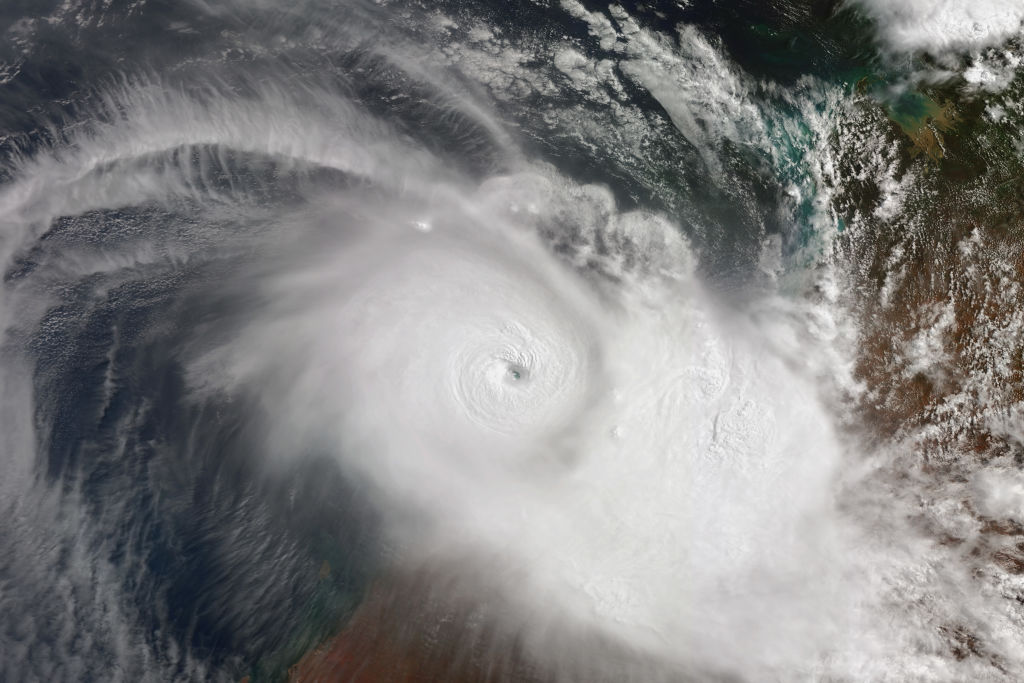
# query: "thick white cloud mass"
941, 26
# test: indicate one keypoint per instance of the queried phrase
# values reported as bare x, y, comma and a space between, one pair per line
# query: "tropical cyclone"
581, 414
318, 274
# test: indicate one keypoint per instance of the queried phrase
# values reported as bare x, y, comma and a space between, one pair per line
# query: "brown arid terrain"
397, 635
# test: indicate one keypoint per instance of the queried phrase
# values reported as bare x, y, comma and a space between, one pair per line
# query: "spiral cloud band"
518, 370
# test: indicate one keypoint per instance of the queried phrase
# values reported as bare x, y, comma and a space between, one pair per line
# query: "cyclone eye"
517, 373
